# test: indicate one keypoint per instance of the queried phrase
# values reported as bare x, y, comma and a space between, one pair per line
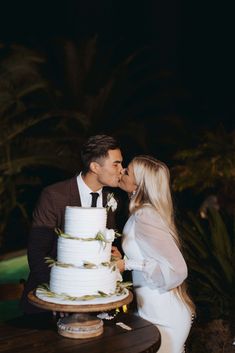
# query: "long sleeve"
42, 238
163, 265
42, 243
48, 215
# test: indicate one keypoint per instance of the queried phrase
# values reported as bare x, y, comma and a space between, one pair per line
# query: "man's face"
110, 168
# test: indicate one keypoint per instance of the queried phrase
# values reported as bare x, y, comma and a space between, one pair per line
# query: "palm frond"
208, 248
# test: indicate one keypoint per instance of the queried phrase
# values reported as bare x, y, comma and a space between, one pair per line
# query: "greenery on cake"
121, 287
105, 264
51, 262
106, 236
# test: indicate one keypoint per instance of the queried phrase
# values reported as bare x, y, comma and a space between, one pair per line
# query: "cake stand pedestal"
80, 324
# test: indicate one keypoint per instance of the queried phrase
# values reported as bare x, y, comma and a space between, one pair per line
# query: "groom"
102, 166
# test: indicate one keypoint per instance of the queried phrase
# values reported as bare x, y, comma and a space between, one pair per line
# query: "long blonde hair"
153, 188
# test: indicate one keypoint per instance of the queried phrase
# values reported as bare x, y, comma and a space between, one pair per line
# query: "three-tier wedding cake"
83, 269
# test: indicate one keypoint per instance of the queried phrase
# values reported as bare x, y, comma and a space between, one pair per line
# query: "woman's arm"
163, 265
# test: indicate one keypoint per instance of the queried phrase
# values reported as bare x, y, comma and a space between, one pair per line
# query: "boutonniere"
111, 202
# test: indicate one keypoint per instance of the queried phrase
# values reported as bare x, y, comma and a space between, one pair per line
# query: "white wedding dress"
158, 266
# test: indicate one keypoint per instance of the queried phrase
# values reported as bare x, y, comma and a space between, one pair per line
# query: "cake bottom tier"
78, 282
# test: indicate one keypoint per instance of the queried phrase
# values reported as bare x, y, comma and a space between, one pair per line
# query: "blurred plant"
210, 337
34, 132
92, 76
209, 166
209, 251
124, 91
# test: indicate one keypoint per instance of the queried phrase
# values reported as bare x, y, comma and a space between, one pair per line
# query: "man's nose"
120, 168
123, 171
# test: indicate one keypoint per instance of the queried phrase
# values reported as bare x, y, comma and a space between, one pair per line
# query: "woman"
151, 248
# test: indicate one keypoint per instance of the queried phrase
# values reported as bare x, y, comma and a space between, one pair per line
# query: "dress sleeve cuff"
133, 265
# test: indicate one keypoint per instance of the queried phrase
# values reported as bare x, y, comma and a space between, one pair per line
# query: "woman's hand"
116, 253
120, 265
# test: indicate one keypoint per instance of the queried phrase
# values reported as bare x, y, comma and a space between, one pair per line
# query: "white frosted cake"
83, 266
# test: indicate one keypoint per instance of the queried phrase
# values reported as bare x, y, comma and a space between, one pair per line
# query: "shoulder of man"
53, 200
58, 192
61, 187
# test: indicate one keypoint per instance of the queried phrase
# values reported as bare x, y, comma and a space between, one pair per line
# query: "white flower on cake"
111, 202
109, 235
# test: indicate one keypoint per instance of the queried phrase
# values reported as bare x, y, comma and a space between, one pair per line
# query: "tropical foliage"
125, 92
209, 250
34, 132
210, 165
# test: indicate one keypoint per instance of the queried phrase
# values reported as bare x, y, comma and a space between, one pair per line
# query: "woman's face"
127, 182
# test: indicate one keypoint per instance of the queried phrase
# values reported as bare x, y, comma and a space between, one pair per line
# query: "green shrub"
209, 251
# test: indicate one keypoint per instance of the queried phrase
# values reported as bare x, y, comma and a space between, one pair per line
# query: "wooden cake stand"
80, 324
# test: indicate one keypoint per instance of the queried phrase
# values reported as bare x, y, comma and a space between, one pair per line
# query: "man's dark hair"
96, 148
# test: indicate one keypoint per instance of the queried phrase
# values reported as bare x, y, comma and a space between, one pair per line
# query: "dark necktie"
94, 196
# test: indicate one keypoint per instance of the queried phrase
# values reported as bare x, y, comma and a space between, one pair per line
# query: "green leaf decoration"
99, 236
44, 286
89, 265
51, 262
106, 264
208, 165
102, 294
118, 235
120, 289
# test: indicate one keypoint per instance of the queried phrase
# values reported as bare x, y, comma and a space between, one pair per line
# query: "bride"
152, 252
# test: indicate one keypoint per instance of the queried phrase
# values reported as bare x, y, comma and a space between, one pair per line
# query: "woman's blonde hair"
153, 188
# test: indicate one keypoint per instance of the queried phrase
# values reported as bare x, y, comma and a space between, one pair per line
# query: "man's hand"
116, 253
120, 265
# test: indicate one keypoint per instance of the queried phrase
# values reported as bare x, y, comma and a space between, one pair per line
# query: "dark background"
180, 82
158, 75
193, 39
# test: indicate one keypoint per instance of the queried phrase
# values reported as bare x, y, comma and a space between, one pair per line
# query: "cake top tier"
85, 222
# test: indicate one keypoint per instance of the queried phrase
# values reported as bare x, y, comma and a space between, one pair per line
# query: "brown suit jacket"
48, 215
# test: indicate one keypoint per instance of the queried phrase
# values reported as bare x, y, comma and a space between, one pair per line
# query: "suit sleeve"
42, 237
163, 265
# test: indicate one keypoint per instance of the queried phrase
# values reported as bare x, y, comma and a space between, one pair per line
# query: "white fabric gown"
158, 266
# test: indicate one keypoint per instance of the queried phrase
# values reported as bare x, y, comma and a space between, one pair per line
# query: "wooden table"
80, 323
38, 334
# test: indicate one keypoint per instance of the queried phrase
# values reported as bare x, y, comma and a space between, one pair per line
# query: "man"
102, 166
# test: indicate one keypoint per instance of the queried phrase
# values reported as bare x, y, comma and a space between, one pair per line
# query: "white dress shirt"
85, 193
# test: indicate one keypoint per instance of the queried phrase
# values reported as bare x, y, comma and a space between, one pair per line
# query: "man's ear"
94, 167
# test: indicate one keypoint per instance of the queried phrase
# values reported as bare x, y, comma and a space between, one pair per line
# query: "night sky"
194, 39
185, 49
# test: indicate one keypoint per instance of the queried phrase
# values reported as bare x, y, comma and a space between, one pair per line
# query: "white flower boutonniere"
111, 203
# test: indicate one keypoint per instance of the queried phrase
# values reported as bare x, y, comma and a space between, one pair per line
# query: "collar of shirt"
85, 195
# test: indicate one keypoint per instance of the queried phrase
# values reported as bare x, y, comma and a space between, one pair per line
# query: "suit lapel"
105, 195
110, 214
